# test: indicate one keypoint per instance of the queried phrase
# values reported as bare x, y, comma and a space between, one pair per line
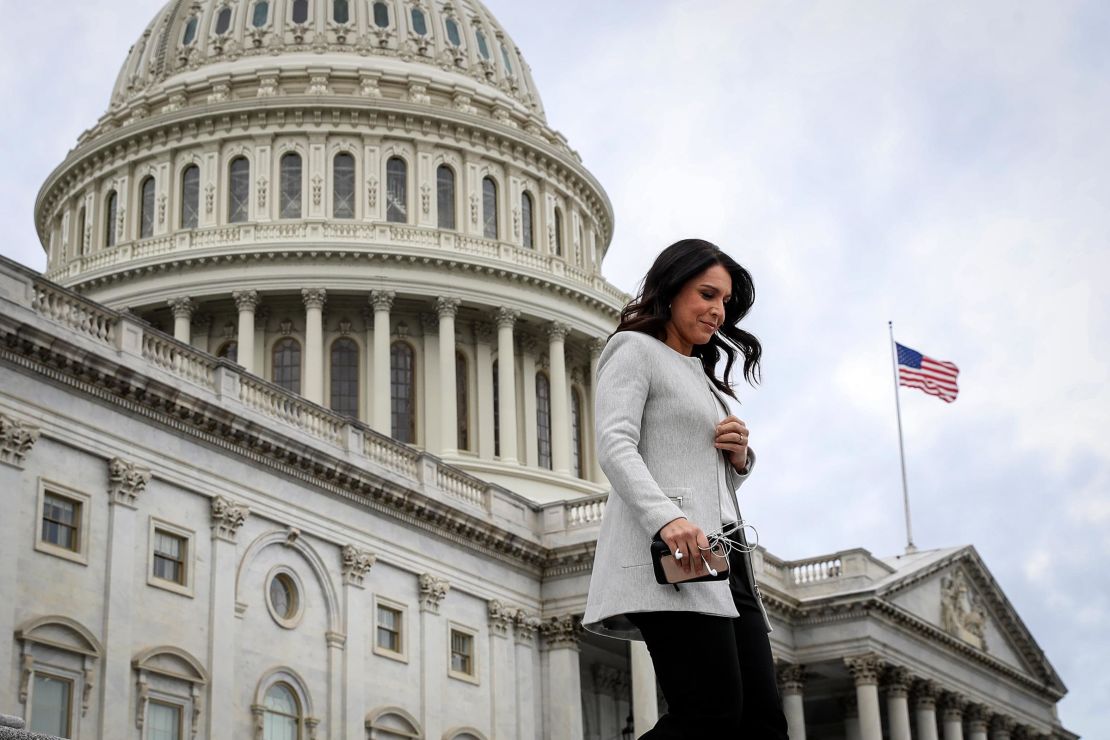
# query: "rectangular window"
462, 653
390, 631
50, 705
169, 556
61, 519
164, 721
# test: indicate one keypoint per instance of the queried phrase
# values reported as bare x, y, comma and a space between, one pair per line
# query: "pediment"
958, 596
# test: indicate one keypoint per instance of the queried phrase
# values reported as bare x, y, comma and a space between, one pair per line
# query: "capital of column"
126, 481
447, 306
506, 317
246, 300
382, 300
952, 706
432, 591
314, 297
562, 632
16, 440
356, 564
1002, 723
182, 307
864, 668
978, 717
791, 677
596, 345
925, 693
227, 518
525, 626
897, 680
500, 617
557, 331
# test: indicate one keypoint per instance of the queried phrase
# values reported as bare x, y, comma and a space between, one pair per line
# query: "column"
381, 420
525, 626
447, 307
182, 318
952, 715
645, 706
16, 440
503, 698
483, 368
562, 684
433, 653
977, 720
792, 684
227, 518
126, 483
1001, 727
506, 382
865, 672
314, 299
433, 433
560, 407
246, 301
925, 707
356, 564
897, 685
596, 475
609, 684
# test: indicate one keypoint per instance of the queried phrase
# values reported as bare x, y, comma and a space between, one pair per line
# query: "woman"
675, 457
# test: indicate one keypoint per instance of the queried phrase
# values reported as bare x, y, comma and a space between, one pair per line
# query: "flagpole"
910, 548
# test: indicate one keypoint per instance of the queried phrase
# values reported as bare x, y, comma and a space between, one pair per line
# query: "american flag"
935, 377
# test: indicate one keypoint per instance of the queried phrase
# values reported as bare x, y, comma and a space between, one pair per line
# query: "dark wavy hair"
650, 310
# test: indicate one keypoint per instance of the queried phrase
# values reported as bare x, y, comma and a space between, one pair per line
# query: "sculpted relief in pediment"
962, 612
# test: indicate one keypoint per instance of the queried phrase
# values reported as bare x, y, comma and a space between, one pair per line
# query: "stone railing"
74, 312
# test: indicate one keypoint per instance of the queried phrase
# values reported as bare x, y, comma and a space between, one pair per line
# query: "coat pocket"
633, 547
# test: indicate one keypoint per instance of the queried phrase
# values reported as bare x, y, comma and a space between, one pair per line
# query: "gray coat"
655, 412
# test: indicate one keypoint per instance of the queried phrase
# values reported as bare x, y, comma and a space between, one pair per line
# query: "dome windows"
223, 21
445, 197
238, 192
287, 364
558, 231
190, 33
290, 186
190, 197
483, 47
528, 238
505, 59
419, 22
261, 15
381, 14
396, 190
146, 208
300, 11
453, 34
110, 219
344, 377
402, 384
341, 11
343, 179
489, 208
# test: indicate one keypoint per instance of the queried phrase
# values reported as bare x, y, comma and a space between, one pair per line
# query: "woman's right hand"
681, 535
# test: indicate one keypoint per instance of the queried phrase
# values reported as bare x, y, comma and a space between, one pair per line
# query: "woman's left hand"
732, 436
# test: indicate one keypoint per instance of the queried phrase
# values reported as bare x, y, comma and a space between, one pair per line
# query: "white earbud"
710, 567
678, 554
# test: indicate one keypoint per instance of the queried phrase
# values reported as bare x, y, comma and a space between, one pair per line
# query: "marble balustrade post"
792, 681
865, 672
182, 318
314, 299
382, 411
246, 302
447, 307
506, 383
560, 406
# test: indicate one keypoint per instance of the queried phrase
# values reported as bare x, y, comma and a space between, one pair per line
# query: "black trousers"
716, 673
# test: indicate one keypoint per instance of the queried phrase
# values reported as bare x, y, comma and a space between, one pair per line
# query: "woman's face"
698, 309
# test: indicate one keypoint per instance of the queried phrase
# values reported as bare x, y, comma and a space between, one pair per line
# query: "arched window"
146, 208
261, 13
239, 189
578, 242
344, 377
483, 47
402, 370
343, 177
290, 186
543, 419
489, 208
190, 31
496, 413
223, 21
505, 59
230, 350
396, 190
419, 23
526, 220
190, 197
281, 714
287, 364
79, 239
381, 14
576, 432
558, 232
461, 402
445, 197
341, 11
453, 34
110, 219
300, 11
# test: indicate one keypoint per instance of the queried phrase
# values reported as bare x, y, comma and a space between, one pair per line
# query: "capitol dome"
360, 201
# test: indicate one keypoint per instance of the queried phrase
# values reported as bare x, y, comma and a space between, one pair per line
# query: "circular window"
283, 597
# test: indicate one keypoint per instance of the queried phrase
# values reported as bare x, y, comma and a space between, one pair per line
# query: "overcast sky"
939, 165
